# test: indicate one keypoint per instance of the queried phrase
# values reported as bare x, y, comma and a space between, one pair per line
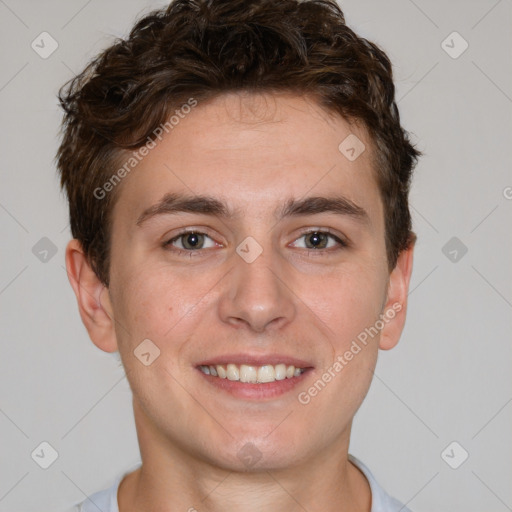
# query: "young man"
237, 179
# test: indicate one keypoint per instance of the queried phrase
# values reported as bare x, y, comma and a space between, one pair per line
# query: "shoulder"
381, 500
104, 500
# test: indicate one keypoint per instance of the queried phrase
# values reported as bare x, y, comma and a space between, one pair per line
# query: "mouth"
254, 378
252, 374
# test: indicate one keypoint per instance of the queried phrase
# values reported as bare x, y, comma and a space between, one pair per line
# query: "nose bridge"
257, 294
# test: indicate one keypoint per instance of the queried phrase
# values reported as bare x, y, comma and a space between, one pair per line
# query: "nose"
258, 294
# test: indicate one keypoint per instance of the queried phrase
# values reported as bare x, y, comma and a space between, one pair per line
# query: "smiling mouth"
252, 374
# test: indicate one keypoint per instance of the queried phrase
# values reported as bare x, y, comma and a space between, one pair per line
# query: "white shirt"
106, 500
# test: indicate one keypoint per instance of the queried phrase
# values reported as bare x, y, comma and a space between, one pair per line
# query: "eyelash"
343, 244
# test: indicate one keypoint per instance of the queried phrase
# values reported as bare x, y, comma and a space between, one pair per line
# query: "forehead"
252, 150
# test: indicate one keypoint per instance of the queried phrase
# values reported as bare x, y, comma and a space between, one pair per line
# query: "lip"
256, 360
247, 391
258, 391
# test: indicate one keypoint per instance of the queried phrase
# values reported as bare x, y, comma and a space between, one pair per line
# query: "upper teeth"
252, 374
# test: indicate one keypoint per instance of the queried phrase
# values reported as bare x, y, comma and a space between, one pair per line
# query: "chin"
257, 453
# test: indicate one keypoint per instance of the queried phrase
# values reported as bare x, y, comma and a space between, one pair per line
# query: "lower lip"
249, 391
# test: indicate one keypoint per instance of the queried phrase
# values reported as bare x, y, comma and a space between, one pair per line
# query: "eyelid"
340, 239
329, 231
198, 231
176, 233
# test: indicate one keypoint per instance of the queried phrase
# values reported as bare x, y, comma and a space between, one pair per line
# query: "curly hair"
202, 49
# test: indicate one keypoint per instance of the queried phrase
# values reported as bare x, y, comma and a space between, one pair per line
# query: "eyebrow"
173, 203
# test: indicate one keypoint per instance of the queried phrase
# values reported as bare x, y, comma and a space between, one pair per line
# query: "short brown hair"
203, 48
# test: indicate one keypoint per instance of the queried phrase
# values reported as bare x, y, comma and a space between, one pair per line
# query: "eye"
189, 241
318, 240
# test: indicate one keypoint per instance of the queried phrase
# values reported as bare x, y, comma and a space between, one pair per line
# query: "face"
281, 263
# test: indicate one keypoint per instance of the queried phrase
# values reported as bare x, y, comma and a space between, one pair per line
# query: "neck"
171, 479
342, 489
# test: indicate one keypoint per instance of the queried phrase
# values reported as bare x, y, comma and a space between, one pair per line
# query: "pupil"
317, 238
192, 240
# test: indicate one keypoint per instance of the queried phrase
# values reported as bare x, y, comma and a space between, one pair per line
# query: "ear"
395, 308
93, 298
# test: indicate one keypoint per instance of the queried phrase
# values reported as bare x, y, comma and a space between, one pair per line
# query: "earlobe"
93, 298
395, 308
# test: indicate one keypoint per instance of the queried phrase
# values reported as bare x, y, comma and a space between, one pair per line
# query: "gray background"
449, 378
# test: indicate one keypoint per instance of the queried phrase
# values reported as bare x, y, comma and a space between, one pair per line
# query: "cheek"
347, 301
155, 302
349, 304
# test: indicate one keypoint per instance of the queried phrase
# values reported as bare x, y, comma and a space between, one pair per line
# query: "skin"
253, 152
